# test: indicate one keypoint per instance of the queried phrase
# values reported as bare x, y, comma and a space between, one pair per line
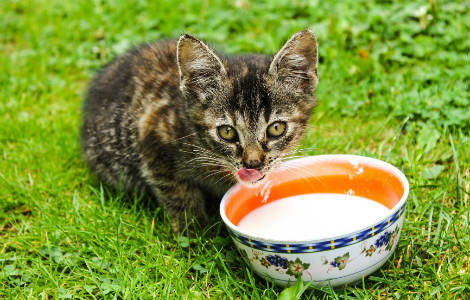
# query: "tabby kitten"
183, 123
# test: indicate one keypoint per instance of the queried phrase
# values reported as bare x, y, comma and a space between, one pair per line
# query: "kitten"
183, 123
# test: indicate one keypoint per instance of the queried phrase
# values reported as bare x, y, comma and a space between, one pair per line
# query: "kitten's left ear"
294, 67
202, 73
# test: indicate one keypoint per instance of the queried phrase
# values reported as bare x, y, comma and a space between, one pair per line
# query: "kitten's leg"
183, 203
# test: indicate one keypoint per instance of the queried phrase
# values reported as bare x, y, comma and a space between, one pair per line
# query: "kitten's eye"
276, 129
227, 133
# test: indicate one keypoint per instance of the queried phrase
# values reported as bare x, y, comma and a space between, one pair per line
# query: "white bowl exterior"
334, 267
342, 263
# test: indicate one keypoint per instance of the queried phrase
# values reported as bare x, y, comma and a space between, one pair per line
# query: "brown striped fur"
151, 118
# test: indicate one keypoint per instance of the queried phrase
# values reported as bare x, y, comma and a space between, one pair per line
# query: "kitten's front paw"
186, 221
184, 204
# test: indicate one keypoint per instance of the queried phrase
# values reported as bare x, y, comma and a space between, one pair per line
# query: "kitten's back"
115, 101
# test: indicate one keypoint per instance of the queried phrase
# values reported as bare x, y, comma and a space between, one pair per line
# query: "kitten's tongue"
249, 174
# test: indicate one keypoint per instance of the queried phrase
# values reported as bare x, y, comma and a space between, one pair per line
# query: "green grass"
394, 84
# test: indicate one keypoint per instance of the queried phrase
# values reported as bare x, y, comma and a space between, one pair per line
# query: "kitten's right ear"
294, 67
202, 73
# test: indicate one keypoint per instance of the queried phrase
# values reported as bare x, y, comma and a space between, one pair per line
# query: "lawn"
394, 85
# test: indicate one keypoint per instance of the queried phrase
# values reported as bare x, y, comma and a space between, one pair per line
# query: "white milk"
313, 216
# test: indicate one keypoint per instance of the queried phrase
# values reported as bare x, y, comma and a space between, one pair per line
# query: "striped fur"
151, 117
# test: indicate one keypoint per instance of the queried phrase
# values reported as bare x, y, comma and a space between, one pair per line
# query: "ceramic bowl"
335, 260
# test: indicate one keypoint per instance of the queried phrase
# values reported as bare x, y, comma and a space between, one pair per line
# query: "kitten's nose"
253, 157
252, 164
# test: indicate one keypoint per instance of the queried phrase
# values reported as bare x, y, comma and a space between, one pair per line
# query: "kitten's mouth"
250, 176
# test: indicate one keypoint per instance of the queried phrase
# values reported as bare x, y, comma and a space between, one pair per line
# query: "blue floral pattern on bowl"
297, 267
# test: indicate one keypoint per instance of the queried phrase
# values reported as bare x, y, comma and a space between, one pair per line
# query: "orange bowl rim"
331, 157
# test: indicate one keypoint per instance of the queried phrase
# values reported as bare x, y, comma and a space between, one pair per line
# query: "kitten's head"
249, 111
